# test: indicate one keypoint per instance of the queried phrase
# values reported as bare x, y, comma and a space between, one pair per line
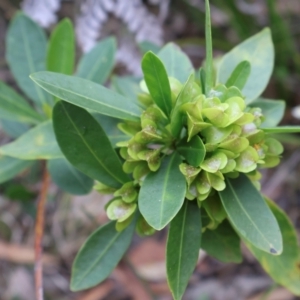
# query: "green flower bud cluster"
218, 137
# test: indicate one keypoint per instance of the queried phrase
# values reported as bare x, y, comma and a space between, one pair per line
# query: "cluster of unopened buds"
224, 133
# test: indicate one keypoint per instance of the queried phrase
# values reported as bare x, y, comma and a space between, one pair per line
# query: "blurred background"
140, 26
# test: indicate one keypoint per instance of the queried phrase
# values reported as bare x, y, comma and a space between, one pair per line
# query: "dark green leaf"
14, 107
222, 243
283, 129
162, 193
273, 111
193, 151
259, 50
250, 215
10, 167
68, 178
13, 129
99, 255
111, 129
183, 247
26, 47
157, 82
209, 68
61, 48
285, 268
97, 64
37, 143
86, 146
88, 95
171, 55
239, 75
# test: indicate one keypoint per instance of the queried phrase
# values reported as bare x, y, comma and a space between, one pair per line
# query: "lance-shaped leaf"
99, 255
10, 167
14, 129
170, 55
209, 68
222, 243
26, 47
68, 178
16, 108
183, 247
86, 146
37, 143
162, 193
97, 64
259, 50
283, 129
285, 268
87, 94
193, 151
157, 82
272, 110
61, 48
250, 215
240, 75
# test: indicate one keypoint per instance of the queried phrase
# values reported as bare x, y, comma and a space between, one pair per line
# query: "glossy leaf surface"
16, 108
37, 143
10, 167
222, 243
193, 151
26, 47
99, 255
240, 75
61, 48
68, 178
170, 55
273, 111
258, 50
162, 193
86, 146
284, 269
88, 95
249, 214
183, 247
97, 64
157, 82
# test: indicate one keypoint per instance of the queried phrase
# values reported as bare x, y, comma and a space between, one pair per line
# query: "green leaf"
222, 243
209, 68
193, 151
26, 46
88, 95
68, 178
111, 129
14, 107
283, 129
99, 255
61, 48
10, 167
86, 146
258, 50
183, 247
284, 269
97, 64
13, 129
146, 46
157, 82
162, 193
250, 215
171, 55
239, 75
273, 111
37, 143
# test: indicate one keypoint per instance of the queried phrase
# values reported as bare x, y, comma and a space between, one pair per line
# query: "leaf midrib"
88, 147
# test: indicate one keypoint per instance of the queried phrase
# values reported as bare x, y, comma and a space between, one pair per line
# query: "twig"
39, 231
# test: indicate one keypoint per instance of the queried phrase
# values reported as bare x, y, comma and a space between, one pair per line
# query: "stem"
39, 232
209, 52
